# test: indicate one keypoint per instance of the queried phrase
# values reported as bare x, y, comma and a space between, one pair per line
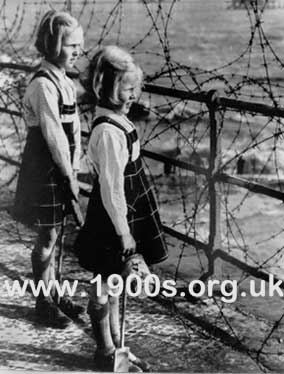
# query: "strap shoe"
68, 307
50, 315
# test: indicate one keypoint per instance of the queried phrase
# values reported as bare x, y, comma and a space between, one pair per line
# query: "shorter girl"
47, 179
122, 216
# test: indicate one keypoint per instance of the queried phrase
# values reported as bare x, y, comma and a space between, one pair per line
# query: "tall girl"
122, 216
48, 174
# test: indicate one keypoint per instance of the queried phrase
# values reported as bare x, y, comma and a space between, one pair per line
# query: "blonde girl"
122, 216
47, 179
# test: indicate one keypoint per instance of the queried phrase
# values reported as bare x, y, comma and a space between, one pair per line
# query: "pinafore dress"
97, 245
39, 198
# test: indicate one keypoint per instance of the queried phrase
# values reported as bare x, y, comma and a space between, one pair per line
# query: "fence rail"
213, 248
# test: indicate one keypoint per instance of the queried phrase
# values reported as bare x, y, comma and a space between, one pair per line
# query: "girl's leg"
64, 303
42, 255
115, 332
42, 264
98, 310
52, 265
114, 319
52, 271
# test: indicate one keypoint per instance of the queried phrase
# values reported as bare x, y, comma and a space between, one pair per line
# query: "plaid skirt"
39, 195
97, 245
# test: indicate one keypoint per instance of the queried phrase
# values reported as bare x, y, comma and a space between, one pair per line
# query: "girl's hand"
74, 189
71, 189
128, 245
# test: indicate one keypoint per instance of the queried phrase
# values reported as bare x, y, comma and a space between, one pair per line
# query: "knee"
98, 307
42, 254
47, 238
113, 301
98, 295
45, 245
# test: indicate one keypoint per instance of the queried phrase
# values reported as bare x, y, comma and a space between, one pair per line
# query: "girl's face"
128, 90
71, 48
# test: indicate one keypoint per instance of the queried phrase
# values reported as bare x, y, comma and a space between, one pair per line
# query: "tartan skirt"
39, 194
98, 246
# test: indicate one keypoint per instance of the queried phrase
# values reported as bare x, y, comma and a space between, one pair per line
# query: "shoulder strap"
105, 119
44, 74
131, 137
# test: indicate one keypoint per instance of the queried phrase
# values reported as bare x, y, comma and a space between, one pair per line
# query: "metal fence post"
214, 267
69, 6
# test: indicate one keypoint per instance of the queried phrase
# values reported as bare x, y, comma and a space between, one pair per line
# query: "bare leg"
65, 304
42, 255
115, 332
114, 319
52, 271
42, 264
98, 310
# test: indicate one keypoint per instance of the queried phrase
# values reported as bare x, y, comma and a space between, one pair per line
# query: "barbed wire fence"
176, 127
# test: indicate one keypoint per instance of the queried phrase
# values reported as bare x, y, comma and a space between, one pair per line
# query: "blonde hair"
51, 31
107, 69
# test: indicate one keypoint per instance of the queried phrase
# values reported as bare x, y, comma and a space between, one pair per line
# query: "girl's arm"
44, 103
109, 155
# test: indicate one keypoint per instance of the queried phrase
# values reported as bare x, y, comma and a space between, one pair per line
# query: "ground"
174, 337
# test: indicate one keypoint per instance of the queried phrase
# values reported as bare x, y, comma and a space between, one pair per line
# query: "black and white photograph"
142, 186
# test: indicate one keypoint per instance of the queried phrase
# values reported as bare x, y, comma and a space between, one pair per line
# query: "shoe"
72, 310
105, 363
48, 314
140, 363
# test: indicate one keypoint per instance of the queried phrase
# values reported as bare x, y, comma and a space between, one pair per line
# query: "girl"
47, 178
122, 216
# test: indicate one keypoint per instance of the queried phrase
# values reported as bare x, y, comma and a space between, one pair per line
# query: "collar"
123, 120
100, 111
59, 73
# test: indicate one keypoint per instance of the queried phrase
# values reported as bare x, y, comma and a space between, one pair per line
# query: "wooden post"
214, 267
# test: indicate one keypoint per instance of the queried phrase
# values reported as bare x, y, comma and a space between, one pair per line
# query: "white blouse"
108, 154
41, 109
